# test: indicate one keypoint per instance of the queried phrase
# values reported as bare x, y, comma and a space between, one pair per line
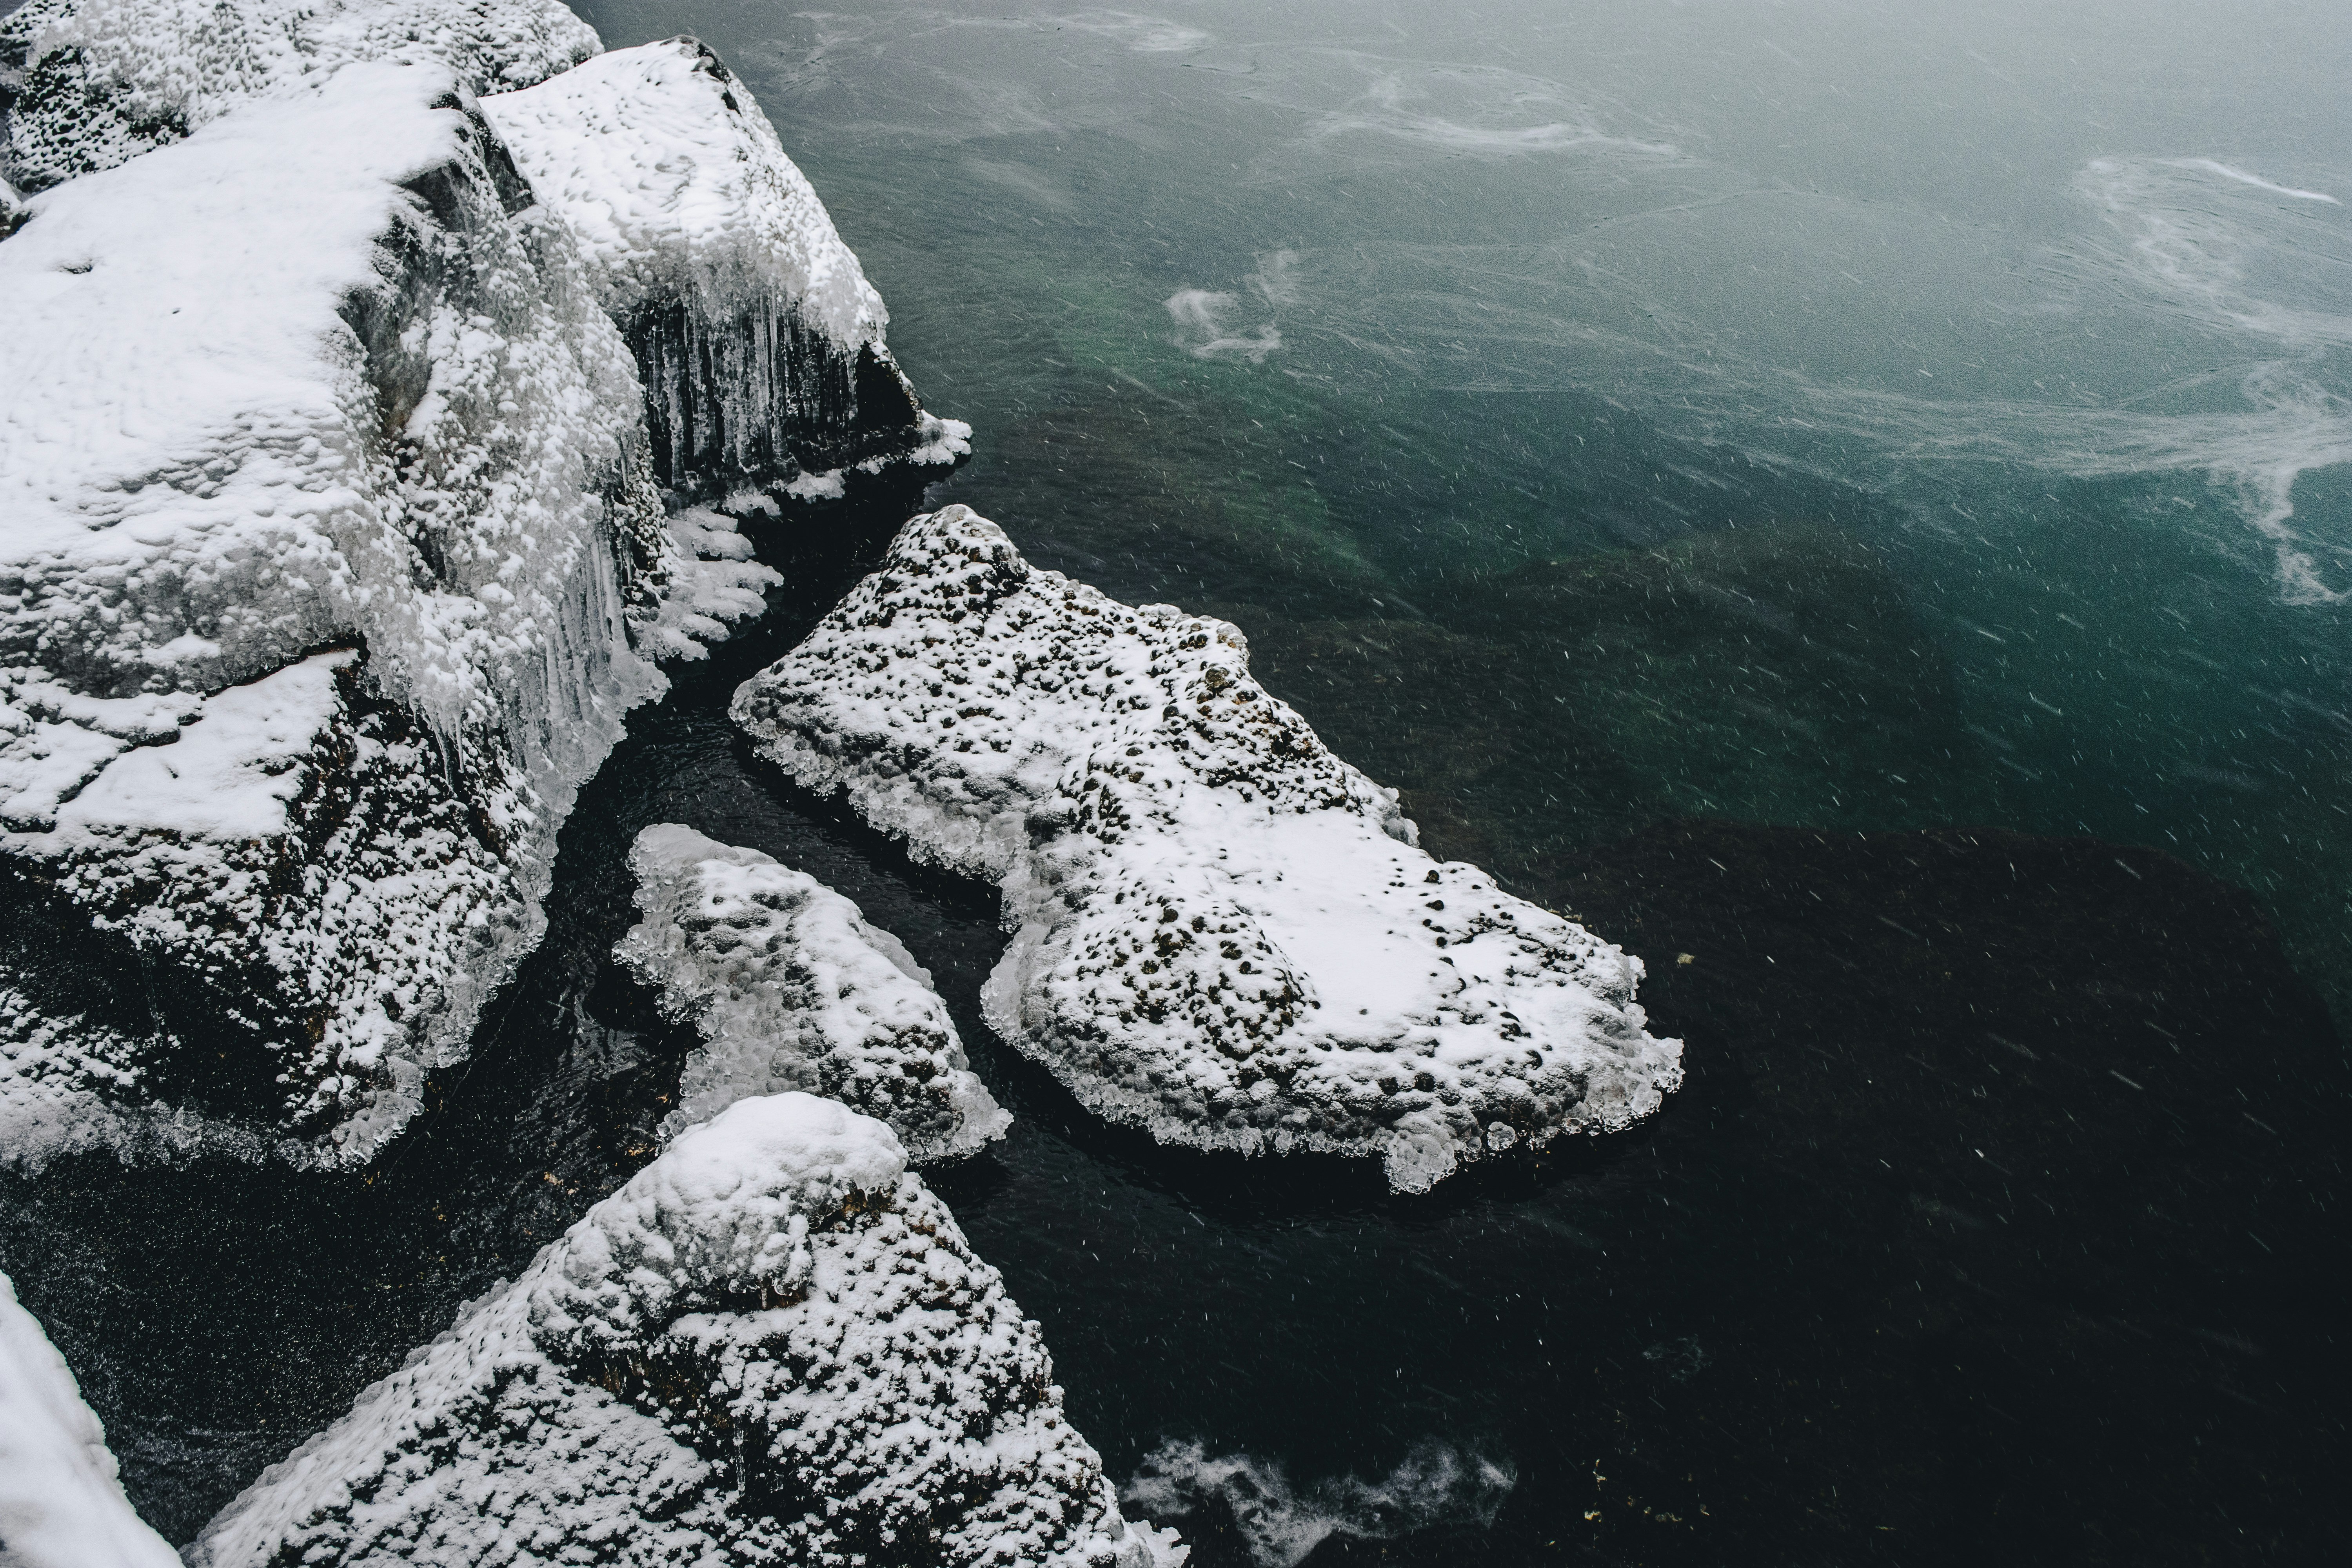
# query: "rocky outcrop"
313, 378
756, 334
333, 546
791, 989
773, 1346
1221, 931
88, 84
61, 1504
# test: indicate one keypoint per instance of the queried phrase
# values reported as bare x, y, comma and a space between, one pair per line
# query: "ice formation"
89, 84
332, 541
61, 1504
773, 1346
758, 336
791, 989
1221, 931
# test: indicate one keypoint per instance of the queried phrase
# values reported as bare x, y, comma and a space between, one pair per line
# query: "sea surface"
1854, 500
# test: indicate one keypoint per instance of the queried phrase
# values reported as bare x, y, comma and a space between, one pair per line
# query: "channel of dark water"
1999, 1217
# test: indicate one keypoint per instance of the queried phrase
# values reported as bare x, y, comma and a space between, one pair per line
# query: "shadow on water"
1998, 1218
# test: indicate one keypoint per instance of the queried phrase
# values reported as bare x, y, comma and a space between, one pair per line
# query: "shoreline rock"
791, 989
1221, 931
400, 444
774, 1344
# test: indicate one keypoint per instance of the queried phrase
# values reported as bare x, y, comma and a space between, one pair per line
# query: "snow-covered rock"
317, 377
332, 545
758, 336
791, 989
89, 84
773, 1346
1221, 931
61, 1504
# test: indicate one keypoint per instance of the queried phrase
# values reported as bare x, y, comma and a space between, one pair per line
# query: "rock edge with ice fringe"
62, 1505
792, 989
1221, 931
771, 1345
755, 332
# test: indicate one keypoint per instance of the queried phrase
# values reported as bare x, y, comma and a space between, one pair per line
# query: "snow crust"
773, 1346
61, 1504
1221, 931
792, 989
98, 82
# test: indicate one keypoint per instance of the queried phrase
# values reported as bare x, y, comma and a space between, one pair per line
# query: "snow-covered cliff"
1221, 931
61, 1504
773, 1346
333, 546
792, 989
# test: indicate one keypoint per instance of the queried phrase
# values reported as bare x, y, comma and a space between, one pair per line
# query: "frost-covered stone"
316, 377
791, 989
61, 1504
89, 84
308, 365
759, 339
1221, 931
771, 1346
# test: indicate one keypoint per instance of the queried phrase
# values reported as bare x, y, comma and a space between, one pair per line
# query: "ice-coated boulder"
1221, 931
757, 335
316, 377
791, 989
61, 1504
89, 84
773, 1346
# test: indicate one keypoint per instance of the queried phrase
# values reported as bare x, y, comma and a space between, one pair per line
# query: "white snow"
113, 79
61, 1504
774, 1344
675, 183
1221, 931
791, 988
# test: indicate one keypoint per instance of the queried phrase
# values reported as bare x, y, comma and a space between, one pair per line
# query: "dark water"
1561, 443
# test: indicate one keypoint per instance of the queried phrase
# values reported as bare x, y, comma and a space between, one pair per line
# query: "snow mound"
1221, 931
758, 336
773, 1346
791, 989
89, 84
61, 1504
315, 377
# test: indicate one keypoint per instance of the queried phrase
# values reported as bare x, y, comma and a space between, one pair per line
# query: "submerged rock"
756, 334
1221, 931
791, 989
61, 1504
771, 1345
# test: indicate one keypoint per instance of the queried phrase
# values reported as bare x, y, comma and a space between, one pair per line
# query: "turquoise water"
1981, 381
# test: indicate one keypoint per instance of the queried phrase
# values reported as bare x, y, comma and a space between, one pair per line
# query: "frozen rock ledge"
773, 1346
791, 989
1221, 931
